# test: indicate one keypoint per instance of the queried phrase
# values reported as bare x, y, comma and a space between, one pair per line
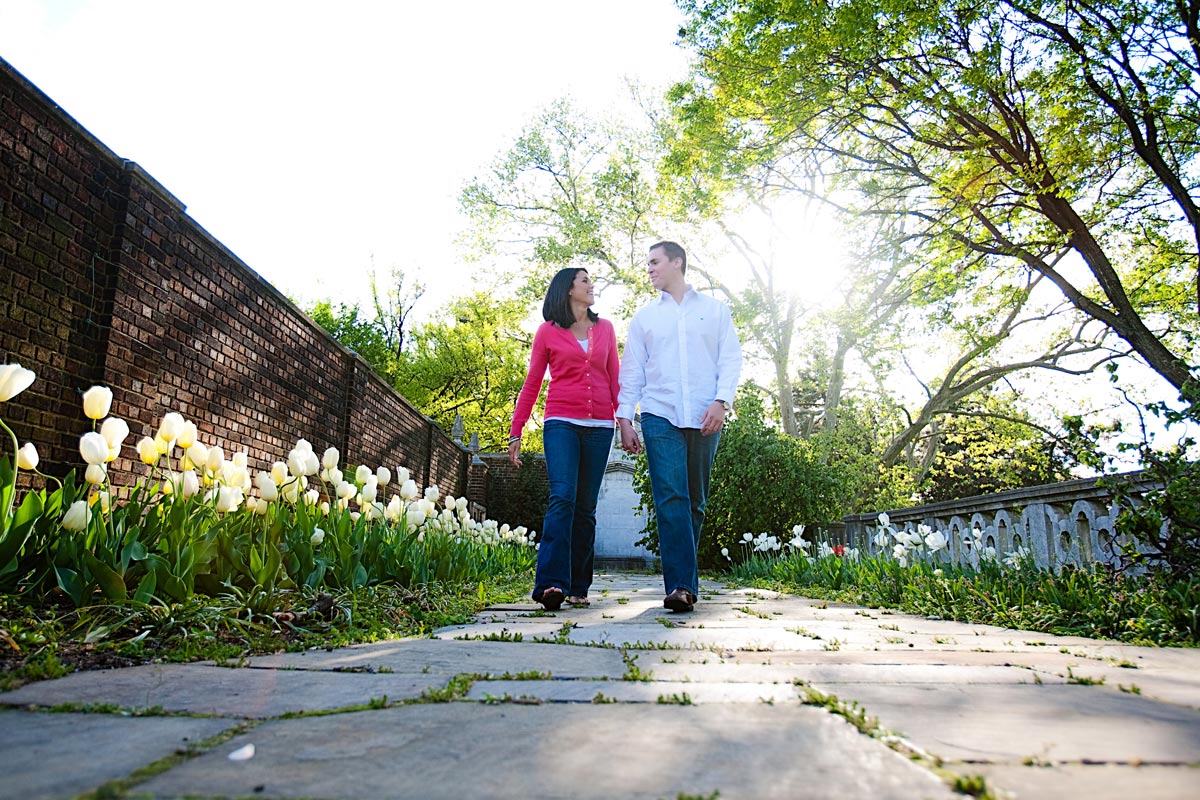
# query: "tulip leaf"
145, 588
70, 582
111, 582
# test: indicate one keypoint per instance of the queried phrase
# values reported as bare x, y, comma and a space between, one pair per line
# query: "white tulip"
408, 490
93, 448
317, 537
311, 497
461, 504
228, 499
936, 540
187, 436
27, 457
312, 464
96, 474
362, 474
198, 455
329, 460
266, 487
279, 473
215, 460
147, 451
345, 490
102, 499
303, 446
171, 426
77, 517
383, 475
370, 491
14, 379
163, 446
240, 459
402, 474
97, 401
190, 483
297, 464
114, 430
432, 493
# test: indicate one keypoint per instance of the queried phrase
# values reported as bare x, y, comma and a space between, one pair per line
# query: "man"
681, 364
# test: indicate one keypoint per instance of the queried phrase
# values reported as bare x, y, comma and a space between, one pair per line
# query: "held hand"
514, 452
629, 438
713, 419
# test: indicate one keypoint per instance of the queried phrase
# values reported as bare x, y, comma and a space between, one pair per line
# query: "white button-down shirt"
679, 358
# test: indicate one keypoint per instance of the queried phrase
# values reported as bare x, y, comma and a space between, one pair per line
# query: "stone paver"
61, 755
625, 699
559, 751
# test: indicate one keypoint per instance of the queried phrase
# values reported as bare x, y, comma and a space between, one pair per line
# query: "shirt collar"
663, 296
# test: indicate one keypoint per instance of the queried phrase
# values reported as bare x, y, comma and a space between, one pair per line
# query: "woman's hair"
557, 306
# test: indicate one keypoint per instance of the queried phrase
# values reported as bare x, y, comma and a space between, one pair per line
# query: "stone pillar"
618, 521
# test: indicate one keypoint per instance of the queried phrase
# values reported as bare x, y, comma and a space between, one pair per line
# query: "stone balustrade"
1059, 523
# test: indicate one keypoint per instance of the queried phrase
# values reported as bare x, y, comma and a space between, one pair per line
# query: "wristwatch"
728, 406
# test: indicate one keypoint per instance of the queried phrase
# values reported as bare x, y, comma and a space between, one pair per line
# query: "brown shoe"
680, 601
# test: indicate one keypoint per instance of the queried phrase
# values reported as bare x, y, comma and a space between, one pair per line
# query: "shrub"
762, 480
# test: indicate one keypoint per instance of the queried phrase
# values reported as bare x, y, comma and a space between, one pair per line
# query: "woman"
581, 351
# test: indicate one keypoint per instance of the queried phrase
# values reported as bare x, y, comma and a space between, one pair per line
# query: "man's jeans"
576, 456
679, 461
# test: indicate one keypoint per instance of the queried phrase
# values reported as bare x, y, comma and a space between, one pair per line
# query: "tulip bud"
383, 475
240, 459
102, 499
408, 490
147, 450
311, 497
362, 474
93, 448
191, 483
325, 508
279, 473
77, 517
95, 474
303, 446
228, 499
330, 459
216, 459
27, 457
317, 537
266, 487
198, 455
296, 463
163, 446
346, 490
402, 475
461, 504
97, 401
171, 426
187, 436
432, 493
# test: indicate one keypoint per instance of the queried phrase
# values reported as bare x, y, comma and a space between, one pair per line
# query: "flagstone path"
749, 696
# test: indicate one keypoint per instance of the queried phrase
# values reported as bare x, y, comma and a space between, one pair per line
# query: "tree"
1010, 135
569, 190
989, 444
471, 361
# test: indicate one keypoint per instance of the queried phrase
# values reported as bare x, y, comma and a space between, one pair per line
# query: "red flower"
839, 550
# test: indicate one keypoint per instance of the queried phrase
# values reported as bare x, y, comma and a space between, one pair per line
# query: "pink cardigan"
582, 385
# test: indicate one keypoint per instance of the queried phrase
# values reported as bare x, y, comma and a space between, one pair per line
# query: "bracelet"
512, 439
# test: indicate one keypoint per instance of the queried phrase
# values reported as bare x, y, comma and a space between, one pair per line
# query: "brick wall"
104, 279
517, 496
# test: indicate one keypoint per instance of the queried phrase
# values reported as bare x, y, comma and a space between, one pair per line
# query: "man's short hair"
673, 251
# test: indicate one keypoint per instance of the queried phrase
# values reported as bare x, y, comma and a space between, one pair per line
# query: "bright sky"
315, 138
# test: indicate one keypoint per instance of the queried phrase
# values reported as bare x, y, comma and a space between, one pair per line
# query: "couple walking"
681, 364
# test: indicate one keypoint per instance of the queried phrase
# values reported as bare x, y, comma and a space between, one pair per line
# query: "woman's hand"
629, 437
514, 452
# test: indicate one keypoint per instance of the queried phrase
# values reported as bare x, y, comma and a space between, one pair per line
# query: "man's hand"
629, 437
713, 419
514, 452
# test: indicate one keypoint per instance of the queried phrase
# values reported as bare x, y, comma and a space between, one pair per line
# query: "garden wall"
104, 279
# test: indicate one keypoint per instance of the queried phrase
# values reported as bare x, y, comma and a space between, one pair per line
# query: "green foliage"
1003, 134
365, 336
471, 361
1093, 601
762, 480
1160, 528
989, 445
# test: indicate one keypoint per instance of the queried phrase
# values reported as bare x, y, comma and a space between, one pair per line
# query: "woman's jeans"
576, 457
679, 462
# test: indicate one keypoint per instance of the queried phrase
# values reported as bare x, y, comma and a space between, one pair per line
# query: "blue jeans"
679, 461
576, 457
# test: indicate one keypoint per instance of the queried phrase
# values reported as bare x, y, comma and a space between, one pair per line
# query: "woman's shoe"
551, 598
578, 601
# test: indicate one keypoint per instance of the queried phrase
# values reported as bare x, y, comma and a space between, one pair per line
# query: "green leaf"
145, 588
71, 583
111, 582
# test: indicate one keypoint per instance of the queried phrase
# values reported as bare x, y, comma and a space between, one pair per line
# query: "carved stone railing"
1060, 523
